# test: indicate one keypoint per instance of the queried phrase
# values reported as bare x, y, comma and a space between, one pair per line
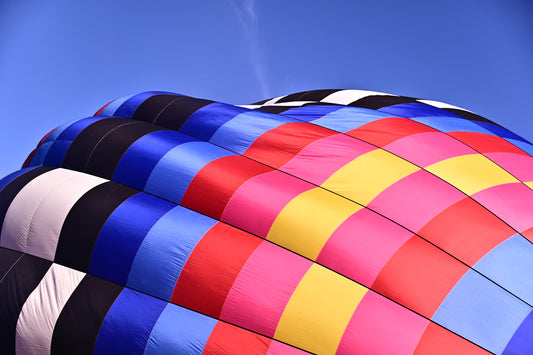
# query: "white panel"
440, 104
42, 206
39, 314
344, 97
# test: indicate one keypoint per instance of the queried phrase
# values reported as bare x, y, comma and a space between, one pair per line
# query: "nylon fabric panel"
179, 331
178, 111
15, 287
307, 222
419, 276
129, 106
348, 118
110, 108
138, 162
319, 311
437, 340
149, 109
39, 314
377, 102
485, 143
128, 324
212, 268
417, 109
79, 322
79, 231
44, 146
277, 146
345, 97
368, 175
471, 173
122, 235
110, 149
228, 339
521, 342
263, 287
165, 250
211, 189
308, 113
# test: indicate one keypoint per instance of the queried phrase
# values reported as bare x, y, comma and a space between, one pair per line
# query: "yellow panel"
529, 184
319, 311
306, 223
366, 176
471, 173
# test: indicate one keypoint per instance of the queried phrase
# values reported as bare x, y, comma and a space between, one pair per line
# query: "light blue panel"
42, 151
241, 131
482, 312
110, 109
450, 124
165, 250
349, 118
526, 147
176, 169
510, 264
311, 112
180, 331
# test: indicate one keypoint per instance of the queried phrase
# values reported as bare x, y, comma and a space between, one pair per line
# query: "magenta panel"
520, 166
511, 202
380, 326
264, 286
256, 204
415, 199
319, 160
362, 245
424, 149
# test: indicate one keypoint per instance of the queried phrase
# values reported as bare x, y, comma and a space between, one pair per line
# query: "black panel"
261, 102
274, 109
15, 289
150, 108
80, 149
109, 150
470, 116
177, 112
293, 97
317, 95
376, 102
11, 190
8, 258
79, 322
84, 222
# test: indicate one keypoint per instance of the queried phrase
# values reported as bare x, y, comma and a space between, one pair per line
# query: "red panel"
486, 143
466, 230
387, 130
419, 276
281, 144
215, 183
528, 234
438, 341
212, 268
228, 339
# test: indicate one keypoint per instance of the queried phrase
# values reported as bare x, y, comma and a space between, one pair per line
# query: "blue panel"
526, 147
449, 124
204, 122
110, 109
500, 131
59, 148
165, 250
482, 312
522, 341
180, 331
240, 132
123, 233
510, 265
417, 110
7, 179
129, 106
128, 324
175, 171
137, 163
44, 147
348, 118
311, 112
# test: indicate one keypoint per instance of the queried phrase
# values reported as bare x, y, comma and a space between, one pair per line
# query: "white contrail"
245, 10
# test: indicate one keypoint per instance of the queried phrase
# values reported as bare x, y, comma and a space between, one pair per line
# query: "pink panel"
380, 326
511, 202
256, 204
424, 149
264, 286
416, 199
319, 160
362, 245
520, 166
277, 348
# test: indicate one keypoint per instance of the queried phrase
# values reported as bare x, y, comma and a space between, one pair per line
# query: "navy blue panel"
310, 113
140, 159
44, 147
123, 233
417, 110
128, 324
500, 131
59, 148
130, 105
6, 180
204, 123
522, 341
110, 109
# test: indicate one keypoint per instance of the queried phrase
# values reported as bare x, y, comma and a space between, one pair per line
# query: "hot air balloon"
326, 222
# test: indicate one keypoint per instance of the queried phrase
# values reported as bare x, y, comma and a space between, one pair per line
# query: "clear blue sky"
61, 60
